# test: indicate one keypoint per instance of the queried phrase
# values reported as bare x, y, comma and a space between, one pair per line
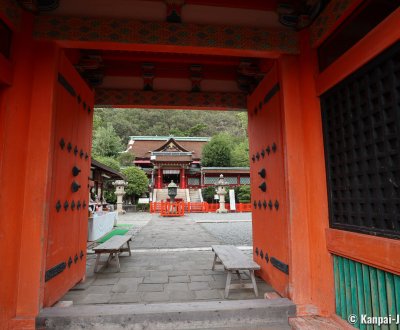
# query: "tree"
242, 118
196, 130
108, 161
217, 152
126, 158
244, 194
208, 194
240, 154
137, 182
106, 142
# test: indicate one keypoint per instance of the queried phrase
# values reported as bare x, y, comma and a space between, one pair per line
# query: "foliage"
126, 158
137, 182
208, 194
217, 152
110, 196
129, 122
108, 161
240, 154
112, 128
244, 194
243, 122
106, 142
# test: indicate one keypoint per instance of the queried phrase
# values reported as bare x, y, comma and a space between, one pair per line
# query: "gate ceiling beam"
170, 99
128, 34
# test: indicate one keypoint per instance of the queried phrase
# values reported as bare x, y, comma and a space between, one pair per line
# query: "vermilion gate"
268, 184
68, 211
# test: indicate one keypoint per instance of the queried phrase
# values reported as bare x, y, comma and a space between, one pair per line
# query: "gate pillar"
288, 182
36, 190
311, 276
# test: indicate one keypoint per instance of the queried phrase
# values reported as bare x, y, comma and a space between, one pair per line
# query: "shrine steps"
228, 314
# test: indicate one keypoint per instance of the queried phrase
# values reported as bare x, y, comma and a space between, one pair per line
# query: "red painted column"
159, 178
39, 153
14, 134
182, 179
309, 259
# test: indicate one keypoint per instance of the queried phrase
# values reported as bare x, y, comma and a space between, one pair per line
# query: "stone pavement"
173, 233
182, 273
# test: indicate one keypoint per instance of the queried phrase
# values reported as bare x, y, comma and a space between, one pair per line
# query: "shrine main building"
167, 158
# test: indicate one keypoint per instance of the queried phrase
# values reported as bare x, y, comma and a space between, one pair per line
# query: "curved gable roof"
171, 146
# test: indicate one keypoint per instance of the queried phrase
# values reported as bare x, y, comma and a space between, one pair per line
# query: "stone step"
234, 314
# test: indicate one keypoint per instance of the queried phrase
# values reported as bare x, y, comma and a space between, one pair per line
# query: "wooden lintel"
125, 98
128, 34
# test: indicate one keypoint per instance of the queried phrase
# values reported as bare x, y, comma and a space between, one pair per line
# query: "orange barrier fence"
243, 207
176, 209
202, 207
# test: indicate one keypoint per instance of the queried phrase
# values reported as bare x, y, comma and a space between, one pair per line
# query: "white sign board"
232, 202
144, 201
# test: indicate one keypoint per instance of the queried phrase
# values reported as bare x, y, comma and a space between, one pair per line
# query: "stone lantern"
221, 192
172, 191
120, 192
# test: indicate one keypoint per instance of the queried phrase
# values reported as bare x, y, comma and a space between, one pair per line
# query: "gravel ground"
239, 233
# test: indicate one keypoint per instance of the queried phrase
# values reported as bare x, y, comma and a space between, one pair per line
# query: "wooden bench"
235, 260
114, 246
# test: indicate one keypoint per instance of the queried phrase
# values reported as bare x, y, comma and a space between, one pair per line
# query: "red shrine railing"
168, 209
202, 207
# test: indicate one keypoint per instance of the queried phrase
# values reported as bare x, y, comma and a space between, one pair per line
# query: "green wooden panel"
353, 287
347, 284
343, 312
360, 293
365, 290
337, 284
397, 292
383, 310
391, 298
367, 293
374, 292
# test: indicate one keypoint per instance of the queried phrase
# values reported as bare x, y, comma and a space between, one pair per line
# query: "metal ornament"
263, 187
58, 206
262, 173
280, 265
62, 144
54, 271
75, 187
76, 171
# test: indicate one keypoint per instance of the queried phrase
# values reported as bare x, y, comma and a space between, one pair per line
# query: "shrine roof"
106, 170
143, 146
220, 170
166, 138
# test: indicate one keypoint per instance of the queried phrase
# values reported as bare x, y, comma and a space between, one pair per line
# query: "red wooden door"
268, 183
68, 216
